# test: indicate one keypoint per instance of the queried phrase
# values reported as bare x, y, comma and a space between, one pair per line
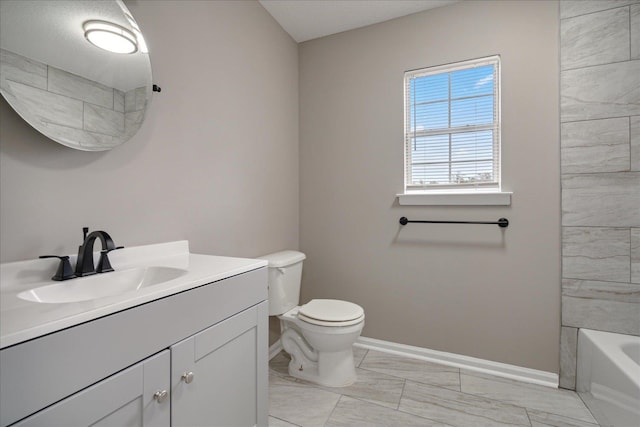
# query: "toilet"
319, 335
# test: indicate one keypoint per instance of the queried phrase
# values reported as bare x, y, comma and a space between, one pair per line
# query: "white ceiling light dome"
110, 37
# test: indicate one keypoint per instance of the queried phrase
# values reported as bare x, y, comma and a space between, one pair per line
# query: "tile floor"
398, 391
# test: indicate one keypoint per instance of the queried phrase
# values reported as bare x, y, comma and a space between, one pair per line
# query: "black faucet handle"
104, 265
64, 271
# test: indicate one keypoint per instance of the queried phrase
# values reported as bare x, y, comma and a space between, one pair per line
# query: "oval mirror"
72, 91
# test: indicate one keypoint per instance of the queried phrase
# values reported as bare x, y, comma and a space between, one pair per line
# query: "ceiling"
309, 19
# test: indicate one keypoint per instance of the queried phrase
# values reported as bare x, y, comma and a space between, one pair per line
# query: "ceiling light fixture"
109, 36
142, 45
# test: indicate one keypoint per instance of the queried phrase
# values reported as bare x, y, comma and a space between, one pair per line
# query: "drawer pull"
160, 396
187, 377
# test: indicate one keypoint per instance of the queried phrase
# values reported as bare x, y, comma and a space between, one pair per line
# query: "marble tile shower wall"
72, 107
600, 169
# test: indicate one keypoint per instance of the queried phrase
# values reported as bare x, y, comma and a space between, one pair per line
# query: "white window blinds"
452, 126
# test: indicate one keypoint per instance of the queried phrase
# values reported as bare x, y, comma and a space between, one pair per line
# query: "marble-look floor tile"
298, 403
570, 8
358, 355
595, 253
276, 422
412, 369
594, 39
544, 419
530, 396
601, 91
352, 412
459, 409
294, 401
603, 410
280, 364
371, 386
606, 140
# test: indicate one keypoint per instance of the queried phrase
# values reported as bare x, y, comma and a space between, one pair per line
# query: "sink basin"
101, 285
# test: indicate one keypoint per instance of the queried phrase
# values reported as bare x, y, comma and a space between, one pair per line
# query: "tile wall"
600, 168
69, 107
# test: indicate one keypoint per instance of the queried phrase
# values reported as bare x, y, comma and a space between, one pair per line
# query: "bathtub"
608, 376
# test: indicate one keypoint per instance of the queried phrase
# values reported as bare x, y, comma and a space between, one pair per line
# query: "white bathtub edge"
504, 370
610, 343
607, 377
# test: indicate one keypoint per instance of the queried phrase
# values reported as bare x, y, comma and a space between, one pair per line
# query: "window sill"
479, 198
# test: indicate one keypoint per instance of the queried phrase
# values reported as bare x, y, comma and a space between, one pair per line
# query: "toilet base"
319, 354
335, 369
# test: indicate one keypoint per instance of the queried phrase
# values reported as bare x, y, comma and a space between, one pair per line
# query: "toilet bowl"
321, 349
319, 335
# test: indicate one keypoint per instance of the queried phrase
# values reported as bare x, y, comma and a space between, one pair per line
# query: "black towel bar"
502, 222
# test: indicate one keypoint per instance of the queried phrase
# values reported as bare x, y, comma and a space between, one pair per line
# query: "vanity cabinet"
126, 399
207, 347
213, 375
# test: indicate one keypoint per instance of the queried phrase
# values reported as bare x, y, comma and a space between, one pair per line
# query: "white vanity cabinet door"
219, 376
125, 399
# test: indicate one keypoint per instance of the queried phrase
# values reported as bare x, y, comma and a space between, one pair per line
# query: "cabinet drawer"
124, 399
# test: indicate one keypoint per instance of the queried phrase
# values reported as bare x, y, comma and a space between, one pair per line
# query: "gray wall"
600, 140
216, 161
472, 290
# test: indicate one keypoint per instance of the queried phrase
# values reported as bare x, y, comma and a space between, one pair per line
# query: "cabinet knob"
160, 396
187, 377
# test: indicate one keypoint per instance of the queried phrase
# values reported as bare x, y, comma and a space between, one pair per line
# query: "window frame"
495, 126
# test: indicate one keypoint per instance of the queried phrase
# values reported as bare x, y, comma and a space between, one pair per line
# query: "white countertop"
21, 320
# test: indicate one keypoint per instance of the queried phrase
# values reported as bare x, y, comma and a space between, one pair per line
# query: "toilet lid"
328, 311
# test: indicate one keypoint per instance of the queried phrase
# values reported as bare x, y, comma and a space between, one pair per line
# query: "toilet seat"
330, 312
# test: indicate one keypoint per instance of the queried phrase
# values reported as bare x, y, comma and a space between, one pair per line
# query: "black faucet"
64, 271
84, 264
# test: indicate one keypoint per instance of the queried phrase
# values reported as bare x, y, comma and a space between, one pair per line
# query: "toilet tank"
285, 274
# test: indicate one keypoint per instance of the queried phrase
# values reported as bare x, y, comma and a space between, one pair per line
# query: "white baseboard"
498, 369
504, 370
275, 348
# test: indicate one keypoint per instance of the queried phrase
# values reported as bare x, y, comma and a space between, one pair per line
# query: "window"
452, 126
